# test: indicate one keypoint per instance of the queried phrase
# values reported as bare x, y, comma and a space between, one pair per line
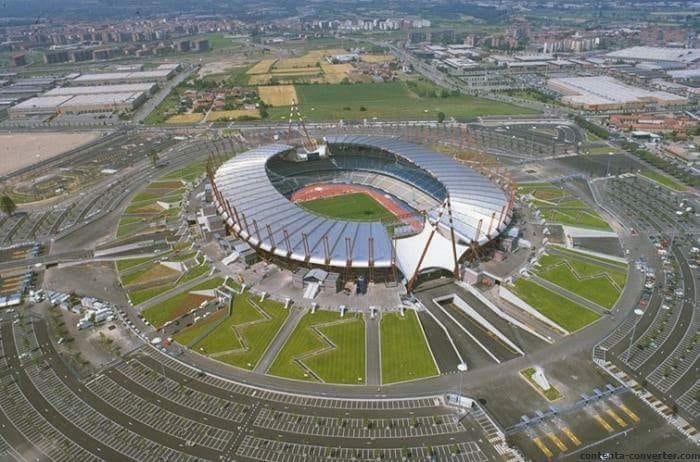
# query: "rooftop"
642, 53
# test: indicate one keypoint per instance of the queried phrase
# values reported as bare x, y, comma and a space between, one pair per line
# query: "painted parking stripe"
543, 447
616, 417
629, 412
603, 423
572, 436
555, 439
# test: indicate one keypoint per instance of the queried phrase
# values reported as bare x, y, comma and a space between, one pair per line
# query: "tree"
440, 117
153, 155
7, 205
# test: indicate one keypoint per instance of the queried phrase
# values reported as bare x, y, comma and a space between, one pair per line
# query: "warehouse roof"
682, 55
97, 89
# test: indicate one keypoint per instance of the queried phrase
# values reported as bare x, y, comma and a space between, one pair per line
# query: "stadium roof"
244, 182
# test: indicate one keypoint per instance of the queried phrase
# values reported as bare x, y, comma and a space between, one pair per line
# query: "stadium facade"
455, 208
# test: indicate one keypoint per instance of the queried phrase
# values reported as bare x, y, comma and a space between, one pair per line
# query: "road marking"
629, 412
543, 447
603, 423
616, 417
574, 439
555, 439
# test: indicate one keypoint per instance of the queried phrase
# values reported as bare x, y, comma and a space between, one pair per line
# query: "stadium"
435, 211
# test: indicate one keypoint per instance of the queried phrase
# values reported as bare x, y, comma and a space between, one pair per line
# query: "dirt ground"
19, 150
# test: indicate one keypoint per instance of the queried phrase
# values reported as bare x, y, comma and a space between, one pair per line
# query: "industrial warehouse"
108, 92
605, 93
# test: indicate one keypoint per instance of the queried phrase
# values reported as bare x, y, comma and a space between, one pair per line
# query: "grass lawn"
179, 304
255, 328
342, 361
191, 333
600, 150
188, 173
131, 262
561, 310
404, 350
575, 254
663, 180
587, 280
552, 394
557, 205
140, 296
151, 273
575, 217
355, 206
391, 100
194, 273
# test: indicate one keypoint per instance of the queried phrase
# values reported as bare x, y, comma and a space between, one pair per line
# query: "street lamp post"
637, 312
462, 368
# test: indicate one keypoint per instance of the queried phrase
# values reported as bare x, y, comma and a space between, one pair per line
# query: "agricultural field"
372, 58
405, 353
599, 284
355, 207
262, 67
278, 95
324, 347
185, 118
242, 338
561, 310
558, 206
180, 304
234, 114
390, 100
311, 67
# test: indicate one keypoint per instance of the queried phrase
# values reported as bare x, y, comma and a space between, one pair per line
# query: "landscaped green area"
557, 205
243, 337
139, 296
600, 150
570, 252
405, 353
179, 304
561, 310
190, 334
663, 180
391, 100
552, 394
324, 346
356, 206
593, 282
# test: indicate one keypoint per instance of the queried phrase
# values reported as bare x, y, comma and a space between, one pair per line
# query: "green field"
243, 337
561, 310
558, 206
573, 253
355, 206
177, 305
663, 180
405, 352
593, 282
391, 100
324, 347
191, 333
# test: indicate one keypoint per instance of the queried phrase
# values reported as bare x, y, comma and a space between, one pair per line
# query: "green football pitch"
355, 207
